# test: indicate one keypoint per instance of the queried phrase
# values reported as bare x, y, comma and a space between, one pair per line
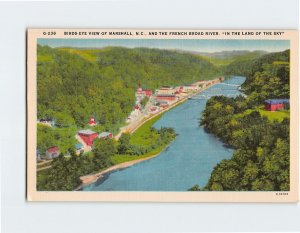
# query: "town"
148, 105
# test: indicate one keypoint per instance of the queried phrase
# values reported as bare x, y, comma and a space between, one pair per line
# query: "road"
145, 115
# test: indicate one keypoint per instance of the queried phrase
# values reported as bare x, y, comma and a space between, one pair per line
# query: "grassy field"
144, 135
277, 115
116, 159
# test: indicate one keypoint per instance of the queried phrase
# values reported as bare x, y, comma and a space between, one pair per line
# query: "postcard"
162, 115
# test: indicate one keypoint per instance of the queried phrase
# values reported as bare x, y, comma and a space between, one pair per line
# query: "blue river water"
189, 160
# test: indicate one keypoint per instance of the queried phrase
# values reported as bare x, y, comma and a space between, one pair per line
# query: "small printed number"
49, 33
282, 194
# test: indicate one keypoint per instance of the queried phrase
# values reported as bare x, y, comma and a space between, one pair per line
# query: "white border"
20, 216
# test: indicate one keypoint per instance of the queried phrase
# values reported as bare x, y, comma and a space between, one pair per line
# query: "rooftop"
166, 95
86, 131
53, 149
277, 101
104, 134
78, 146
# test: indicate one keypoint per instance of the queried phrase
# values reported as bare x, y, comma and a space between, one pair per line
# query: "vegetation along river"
189, 160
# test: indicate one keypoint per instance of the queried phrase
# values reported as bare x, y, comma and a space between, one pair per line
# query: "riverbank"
92, 178
89, 179
173, 105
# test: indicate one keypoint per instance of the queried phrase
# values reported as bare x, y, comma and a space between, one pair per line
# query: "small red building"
52, 152
148, 93
87, 136
166, 97
92, 121
145, 92
275, 104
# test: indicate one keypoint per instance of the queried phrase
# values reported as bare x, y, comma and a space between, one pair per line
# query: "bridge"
205, 97
228, 84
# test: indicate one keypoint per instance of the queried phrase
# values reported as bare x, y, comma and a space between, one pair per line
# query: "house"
179, 90
143, 92
166, 97
275, 104
46, 122
154, 109
190, 88
148, 93
38, 155
52, 152
79, 148
105, 135
92, 121
166, 90
87, 136
162, 103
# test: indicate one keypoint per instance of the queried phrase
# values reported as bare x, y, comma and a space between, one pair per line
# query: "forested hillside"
224, 58
248, 67
76, 83
261, 160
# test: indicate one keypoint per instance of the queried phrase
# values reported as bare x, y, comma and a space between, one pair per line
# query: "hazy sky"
182, 44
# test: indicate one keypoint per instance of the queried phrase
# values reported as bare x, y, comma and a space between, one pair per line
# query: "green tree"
124, 143
103, 150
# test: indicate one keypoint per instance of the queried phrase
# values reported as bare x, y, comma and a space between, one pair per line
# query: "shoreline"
92, 178
185, 98
89, 179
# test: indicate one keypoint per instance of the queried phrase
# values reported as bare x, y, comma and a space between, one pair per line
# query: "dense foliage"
65, 172
248, 67
73, 88
261, 159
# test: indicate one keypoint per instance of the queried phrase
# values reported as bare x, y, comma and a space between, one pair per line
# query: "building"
79, 148
52, 152
148, 93
165, 97
46, 122
38, 155
143, 92
87, 136
276, 104
190, 88
165, 90
162, 103
92, 121
105, 135
154, 109
179, 90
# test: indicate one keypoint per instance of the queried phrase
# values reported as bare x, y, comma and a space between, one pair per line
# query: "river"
189, 160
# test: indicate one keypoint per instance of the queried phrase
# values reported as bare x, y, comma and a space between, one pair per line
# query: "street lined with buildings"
157, 102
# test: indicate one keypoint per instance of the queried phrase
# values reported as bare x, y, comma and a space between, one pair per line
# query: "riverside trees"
261, 160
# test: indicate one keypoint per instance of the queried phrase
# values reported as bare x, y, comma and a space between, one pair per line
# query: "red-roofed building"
52, 152
166, 97
148, 93
275, 104
145, 92
92, 121
88, 136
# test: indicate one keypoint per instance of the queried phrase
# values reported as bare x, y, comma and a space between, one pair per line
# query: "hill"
75, 83
225, 58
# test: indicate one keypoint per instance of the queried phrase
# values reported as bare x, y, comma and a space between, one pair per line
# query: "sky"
197, 45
